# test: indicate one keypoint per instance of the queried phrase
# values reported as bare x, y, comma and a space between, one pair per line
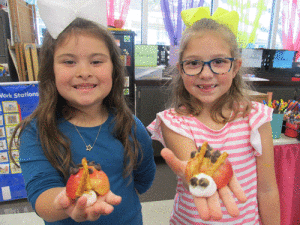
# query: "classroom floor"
154, 213
157, 202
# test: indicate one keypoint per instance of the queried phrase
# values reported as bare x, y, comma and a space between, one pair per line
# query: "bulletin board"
16, 103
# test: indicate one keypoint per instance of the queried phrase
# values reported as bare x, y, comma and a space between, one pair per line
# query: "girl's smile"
207, 87
85, 87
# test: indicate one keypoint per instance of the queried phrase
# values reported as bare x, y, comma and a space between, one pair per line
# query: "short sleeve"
259, 115
173, 121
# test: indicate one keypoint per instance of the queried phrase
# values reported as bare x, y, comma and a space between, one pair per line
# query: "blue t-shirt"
40, 176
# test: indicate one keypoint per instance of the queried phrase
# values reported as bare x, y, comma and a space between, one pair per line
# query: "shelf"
284, 140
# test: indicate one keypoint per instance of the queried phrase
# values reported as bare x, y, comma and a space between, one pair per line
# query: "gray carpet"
164, 184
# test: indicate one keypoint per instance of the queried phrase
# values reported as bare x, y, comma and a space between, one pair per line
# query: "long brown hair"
184, 102
52, 105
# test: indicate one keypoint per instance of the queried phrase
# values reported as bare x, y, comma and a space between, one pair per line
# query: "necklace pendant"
88, 147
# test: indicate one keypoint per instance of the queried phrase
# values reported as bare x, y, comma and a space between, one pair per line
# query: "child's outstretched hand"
78, 210
209, 208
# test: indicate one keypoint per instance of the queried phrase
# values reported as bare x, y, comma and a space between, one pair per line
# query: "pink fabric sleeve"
259, 115
173, 121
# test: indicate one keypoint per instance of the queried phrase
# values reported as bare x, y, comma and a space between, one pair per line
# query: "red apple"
73, 184
209, 162
99, 182
87, 177
223, 175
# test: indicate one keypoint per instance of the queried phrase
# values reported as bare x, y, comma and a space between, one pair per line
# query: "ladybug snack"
207, 171
87, 179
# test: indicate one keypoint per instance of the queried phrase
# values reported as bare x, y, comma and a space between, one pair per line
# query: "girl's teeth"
85, 87
202, 87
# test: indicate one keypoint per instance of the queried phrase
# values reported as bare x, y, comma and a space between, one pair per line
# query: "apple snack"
207, 171
87, 179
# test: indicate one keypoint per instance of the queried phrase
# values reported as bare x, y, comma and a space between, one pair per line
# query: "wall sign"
16, 103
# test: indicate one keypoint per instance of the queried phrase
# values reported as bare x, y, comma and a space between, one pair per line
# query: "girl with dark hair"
82, 112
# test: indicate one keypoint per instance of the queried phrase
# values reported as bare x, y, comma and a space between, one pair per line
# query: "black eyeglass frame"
204, 63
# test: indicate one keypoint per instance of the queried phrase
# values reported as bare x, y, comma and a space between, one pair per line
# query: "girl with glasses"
210, 104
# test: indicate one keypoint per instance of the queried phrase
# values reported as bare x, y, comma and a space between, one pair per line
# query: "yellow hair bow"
222, 16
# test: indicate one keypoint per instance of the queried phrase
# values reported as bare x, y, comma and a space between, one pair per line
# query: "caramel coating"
204, 158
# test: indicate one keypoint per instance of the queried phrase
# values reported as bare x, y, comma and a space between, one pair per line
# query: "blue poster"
16, 103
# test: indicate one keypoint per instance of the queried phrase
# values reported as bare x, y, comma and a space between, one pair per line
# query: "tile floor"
154, 213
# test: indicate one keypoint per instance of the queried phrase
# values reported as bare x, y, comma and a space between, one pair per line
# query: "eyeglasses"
217, 66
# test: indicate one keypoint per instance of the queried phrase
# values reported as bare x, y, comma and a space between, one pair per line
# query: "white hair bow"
58, 14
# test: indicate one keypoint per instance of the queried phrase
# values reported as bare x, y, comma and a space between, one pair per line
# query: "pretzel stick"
202, 152
205, 163
194, 164
85, 183
192, 169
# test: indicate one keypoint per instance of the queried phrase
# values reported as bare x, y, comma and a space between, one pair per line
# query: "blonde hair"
184, 102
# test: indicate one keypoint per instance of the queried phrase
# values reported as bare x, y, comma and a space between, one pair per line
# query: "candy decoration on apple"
207, 171
87, 179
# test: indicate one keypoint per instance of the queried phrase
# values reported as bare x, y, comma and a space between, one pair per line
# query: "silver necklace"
88, 147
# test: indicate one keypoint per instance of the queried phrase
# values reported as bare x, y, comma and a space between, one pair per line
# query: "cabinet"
125, 40
149, 101
281, 91
5, 57
4, 35
257, 96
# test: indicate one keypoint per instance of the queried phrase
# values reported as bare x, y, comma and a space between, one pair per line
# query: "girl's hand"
78, 210
209, 208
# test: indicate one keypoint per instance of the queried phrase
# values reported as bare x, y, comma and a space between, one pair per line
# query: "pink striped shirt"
240, 139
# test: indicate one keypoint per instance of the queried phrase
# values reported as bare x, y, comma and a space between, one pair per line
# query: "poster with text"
16, 103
